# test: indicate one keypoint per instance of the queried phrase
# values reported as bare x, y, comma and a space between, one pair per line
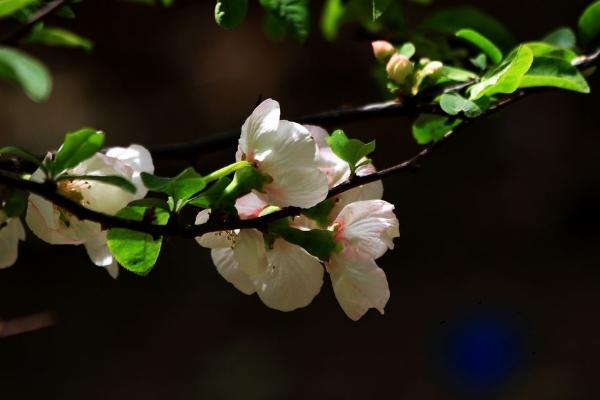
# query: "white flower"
57, 226
11, 231
285, 152
366, 230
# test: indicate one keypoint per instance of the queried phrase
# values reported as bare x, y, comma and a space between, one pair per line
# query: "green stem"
228, 170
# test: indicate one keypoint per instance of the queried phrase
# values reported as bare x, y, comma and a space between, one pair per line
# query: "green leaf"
27, 72
379, 7
180, 187
230, 13
589, 23
318, 242
8, 7
458, 74
407, 50
211, 196
20, 153
482, 43
562, 37
244, 181
480, 61
166, 3
113, 180
320, 212
454, 103
77, 147
332, 18
290, 15
450, 20
430, 128
52, 36
15, 205
349, 150
150, 202
137, 251
506, 77
542, 49
65, 12
554, 72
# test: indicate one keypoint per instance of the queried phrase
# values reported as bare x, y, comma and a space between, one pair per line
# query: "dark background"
494, 281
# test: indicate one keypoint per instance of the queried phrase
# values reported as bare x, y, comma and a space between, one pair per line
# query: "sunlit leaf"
483, 43
26, 71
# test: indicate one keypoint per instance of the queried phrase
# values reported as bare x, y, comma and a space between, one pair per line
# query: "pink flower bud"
432, 67
382, 49
398, 68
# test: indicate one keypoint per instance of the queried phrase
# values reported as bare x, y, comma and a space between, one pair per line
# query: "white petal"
44, 219
335, 169
299, 187
113, 270
97, 249
319, 134
250, 253
358, 284
250, 206
264, 118
10, 235
139, 159
368, 226
229, 269
214, 240
292, 280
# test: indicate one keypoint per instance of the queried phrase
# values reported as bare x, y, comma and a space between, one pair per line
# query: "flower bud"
432, 68
398, 68
382, 50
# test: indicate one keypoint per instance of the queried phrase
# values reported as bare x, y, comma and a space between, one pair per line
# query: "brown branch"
39, 16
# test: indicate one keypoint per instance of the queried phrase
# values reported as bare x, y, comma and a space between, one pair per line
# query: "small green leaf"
506, 77
563, 38
150, 202
15, 205
320, 212
430, 128
482, 43
542, 49
318, 242
230, 13
349, 150
211, 196
288, 15
52, 36
589, 23
113, 180
458, 74
244, 181
8, 7
480, 61
554, 72
454, 103
407, 50
65, 12
77, 147
27, 72
20, 153
332, 18
379, 7
137, 251
180, 187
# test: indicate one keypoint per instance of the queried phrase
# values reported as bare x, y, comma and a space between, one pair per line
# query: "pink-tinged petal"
298, 187
250, 253
368, 226
358, 283
44, 221
292, 280
139, 159
229, 269
290, 146
319, 134
10, 234
250, 206
97, 250
335, 169
264, 119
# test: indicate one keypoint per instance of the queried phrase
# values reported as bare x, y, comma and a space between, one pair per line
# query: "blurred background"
495, 281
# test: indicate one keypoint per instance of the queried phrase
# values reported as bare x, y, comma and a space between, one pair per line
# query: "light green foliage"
589, 24
554, 72
430, 128
379, 7
562, 37
458, 74
480, 61
542, 49
137, 251
230, 13
9, 7
53, 36
332, 18
482, 43
27, 72
506, 77
244, 181
181, 187
77, 147
318, 242
114, 180
211, 196
350, 150
20, 153
15, 205
320, 212
286, 16
407, 50
454, 103
450, 20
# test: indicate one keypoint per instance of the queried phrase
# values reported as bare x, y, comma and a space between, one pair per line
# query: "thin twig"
39, 16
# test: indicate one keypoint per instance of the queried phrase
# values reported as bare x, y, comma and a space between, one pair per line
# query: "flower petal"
139, 159
292, 280
214, 240
250, 253
229, 269
298, 187
358, 284
335, 169
10, 235
368, 226
97, 250
250, 206
44, 220
113, 270
264, 118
